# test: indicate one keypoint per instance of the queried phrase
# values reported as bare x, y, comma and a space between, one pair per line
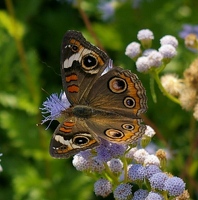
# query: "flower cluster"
180, 90
120, 167
148, 59
185, 89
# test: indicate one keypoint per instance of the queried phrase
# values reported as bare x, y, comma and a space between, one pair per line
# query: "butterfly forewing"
81, 65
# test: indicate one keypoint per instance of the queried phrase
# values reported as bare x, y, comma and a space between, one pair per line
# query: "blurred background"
30, 38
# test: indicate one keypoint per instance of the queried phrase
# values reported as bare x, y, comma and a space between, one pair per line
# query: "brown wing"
81, 65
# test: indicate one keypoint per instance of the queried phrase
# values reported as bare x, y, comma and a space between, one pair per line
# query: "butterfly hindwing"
71, 137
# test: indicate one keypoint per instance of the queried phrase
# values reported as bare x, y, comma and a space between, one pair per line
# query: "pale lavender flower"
169, 39
151, 160
133, 50
174, 186
188, 29
53, 107
155, 59
123, 191
157, 180
96, 165
145, 34
107, 150
140, 194
136, 172
140, 155
102, 187
149, 131
150, 170
115, 165
81, 163
142, 64
154, 195
168, 51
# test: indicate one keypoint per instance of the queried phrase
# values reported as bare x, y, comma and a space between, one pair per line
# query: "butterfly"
106, 101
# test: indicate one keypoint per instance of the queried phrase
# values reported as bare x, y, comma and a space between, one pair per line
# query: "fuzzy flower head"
123, 191
133, 50
54, 106
154, 195
102, 187
172, 84
157, 180
115, 165
150, 170
175, 186
169, 39
145, 36
151, 160
168, 52
155, 59
191, 74
142, 64
146, 138
188, 98
82, 161
107, 150
96, 165
136, 172
140, 194
149, 132
140, 155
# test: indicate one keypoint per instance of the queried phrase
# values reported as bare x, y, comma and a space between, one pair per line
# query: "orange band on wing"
72, 77
69, 124
65, 130
73, 88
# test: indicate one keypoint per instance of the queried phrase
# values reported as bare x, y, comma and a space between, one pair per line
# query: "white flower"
169, 39
140, 155
149, 131
145, 34
155, 59
168, 51
142, 64
151, 160
133, 50
172, 84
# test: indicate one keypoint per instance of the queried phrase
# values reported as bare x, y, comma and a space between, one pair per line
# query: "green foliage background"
30, 38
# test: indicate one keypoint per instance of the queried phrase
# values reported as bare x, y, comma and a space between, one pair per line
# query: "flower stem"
157, 79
